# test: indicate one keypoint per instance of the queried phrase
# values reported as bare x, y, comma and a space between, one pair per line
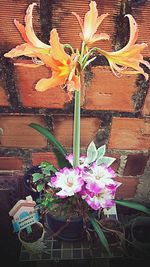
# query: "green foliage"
105, 160
47, 201
133, 205
91, 153
100, 234
94, 154
49, 136
40, 187
62, 161
37, 176
58, 149
101, 151
41, 178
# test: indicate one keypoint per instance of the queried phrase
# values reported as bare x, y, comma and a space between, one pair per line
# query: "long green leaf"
100, 234
49, 136
62, 161
58, 149
133, 205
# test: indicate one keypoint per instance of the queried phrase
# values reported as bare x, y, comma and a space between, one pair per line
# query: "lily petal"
57, 50
21, 50
90, 25
80, 20
128, 59
32, 44
45, 84
30, 65
99, 37
22, 30
133, 34
29, 29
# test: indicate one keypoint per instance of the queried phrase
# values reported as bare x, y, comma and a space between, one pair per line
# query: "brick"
129, 133
141, 15
11, 163
26, 79
10, 10
105, 91
146, 107
135, 164
3, 97
18, 133
37, 158
128, 187
63, 130
62, 17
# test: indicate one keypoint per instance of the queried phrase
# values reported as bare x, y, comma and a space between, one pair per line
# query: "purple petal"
93, 187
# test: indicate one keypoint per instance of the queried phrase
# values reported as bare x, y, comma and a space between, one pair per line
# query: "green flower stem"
76, 130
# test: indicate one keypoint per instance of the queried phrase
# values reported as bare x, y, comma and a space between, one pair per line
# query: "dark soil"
37, 231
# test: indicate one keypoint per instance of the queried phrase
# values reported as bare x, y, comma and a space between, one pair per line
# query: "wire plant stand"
58, 250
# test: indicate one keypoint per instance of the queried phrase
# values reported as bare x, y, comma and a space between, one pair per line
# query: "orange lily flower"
128, 59
32, 44
90, 25
62, 65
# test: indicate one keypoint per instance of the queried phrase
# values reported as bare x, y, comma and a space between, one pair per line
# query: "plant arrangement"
83, 185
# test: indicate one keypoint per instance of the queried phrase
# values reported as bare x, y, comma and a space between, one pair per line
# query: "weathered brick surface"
141, 14
129, 133
26, 79
128, 187
17, 133
135, 164
10, 163
105, 91
146, 107
62, 18
63, 130
9, 11
3, 97
37, 158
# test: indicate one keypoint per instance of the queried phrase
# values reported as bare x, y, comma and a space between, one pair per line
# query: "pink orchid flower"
68, 180
103, 199
98, 177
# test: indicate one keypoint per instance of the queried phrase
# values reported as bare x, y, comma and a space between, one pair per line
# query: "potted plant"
139, 235
26, 224
83, 185
33, 240
67, 200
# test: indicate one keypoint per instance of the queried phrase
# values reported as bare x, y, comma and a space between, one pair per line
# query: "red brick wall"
115, 111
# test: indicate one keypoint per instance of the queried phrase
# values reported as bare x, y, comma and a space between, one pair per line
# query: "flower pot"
140, 233
33, 242
29, 189
69, 230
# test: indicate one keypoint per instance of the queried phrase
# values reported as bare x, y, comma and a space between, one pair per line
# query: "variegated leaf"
105, 160
91, 153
